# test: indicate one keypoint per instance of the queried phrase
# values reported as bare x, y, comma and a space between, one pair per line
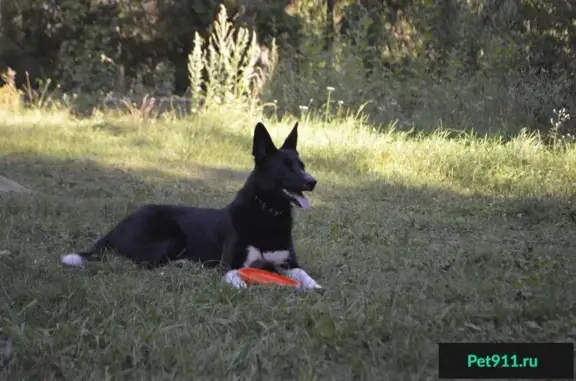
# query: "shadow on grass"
406, 268
86, 178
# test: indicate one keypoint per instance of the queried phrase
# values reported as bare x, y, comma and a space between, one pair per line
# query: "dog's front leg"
305, 280
233, 278
229, 252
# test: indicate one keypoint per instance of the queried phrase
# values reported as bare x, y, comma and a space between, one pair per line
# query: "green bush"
482, 65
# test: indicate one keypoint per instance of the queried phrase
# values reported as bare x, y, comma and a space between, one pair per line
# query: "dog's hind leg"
153, 254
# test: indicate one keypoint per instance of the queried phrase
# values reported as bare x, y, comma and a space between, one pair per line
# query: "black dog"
254, 230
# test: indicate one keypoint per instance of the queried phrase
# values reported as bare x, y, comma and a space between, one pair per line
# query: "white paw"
233, 278
306, 281
317, 289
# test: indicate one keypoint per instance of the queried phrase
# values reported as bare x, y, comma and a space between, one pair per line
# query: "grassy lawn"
417, 240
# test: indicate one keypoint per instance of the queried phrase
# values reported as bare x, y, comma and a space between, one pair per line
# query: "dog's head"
280, 170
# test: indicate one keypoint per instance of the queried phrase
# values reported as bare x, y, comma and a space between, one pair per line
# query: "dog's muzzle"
310, 183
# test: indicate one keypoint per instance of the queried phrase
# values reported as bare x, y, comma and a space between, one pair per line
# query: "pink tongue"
303, 201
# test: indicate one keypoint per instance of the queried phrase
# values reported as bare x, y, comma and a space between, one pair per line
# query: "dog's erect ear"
263, 144
292, 139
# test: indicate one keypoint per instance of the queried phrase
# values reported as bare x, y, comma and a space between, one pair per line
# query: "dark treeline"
121, 46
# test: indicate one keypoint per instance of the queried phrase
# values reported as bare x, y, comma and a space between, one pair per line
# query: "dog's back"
155, 234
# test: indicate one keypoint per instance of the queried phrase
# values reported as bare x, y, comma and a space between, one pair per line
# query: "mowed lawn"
417, 240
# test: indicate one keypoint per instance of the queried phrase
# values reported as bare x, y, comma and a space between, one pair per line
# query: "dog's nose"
310, 183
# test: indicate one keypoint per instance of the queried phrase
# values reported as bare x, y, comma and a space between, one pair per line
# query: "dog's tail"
80, 259
77, 260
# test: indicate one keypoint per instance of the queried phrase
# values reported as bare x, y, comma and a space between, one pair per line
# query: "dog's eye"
302, 165
288, 163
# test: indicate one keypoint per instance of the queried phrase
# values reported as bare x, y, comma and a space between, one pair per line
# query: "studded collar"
268, 209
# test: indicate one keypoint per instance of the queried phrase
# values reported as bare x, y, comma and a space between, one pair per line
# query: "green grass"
417, 240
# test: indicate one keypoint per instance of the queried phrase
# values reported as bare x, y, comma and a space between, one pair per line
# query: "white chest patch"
277, 257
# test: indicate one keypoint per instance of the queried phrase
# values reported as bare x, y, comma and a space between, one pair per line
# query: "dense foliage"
481, 64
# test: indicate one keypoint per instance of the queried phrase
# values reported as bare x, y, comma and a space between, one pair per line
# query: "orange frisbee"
257, 276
